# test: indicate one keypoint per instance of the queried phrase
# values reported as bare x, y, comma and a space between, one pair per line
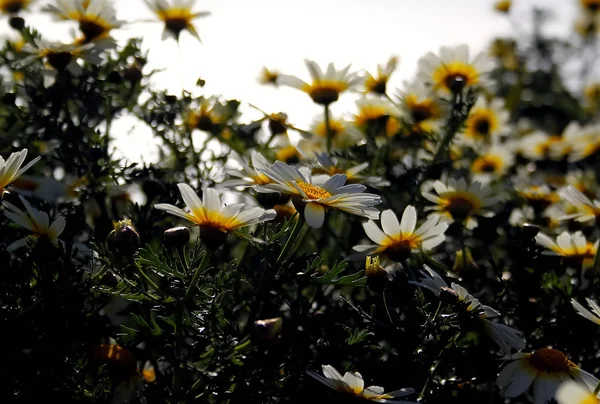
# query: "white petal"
314, 214
409, 220
374, 232
389, 223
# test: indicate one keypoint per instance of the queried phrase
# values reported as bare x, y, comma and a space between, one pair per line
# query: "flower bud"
124, 239
133, 73
377, 276
177, 237
267, 330
269, 199
448, 295
17, 23
277, 123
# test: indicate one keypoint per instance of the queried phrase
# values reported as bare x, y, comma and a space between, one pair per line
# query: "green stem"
437, 312
385, 306
328, 129
178, 350
146, 278
291, 240
201, 269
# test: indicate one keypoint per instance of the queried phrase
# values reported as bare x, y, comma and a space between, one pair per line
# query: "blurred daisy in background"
593, 316
572, 392
35, 221
459, 201
177, 16
486, 122
325, 86
421, 108
587, 210
378, 83
494, 162
453, 71
11, 170
572, 246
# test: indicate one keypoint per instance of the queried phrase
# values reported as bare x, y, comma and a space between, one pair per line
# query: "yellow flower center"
591, 5
312, 191
370, 113
503, 6
58, 60
403, 244
287, 154
376, 85
481, 124
550, 361
325, 92
591, 149
13, 6
460, 205
176, 19
487, 164
455, 76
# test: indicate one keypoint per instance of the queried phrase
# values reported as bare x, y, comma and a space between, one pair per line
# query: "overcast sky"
241, 36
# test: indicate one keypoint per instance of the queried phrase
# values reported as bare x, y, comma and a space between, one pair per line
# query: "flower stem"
386, 307
328, 129
291, 240
190, 290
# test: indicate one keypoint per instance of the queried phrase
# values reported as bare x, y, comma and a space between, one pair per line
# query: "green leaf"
149, 259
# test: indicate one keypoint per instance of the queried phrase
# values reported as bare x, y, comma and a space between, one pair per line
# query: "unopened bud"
269, 199
448, 295
124, 239
177, 237
133, 73
17, 23
377, 276
267, 330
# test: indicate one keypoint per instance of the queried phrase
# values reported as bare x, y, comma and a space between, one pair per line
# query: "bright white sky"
241, 36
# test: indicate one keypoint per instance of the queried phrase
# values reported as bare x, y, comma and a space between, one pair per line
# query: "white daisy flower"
214, 218
313, 200
248, 175
399, 239
10, 169
421, 108
587, 210
507, 338
572, 392
374, 111
343, 136
453, 71
96, 18
486, 121
352, 383
378, 84
593, 316
177, 16
538, 146
586, 144
325, 87
492, 163
11, 7
460, 201
544, 369
35, 221
353, 174
573, 246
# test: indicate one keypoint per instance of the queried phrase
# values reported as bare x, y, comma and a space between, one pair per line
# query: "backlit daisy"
453, 71
492, 163
213, 217
352, 383
343, 136
421, 108
507, 338
593, 316
587, 210
537, 195
373, 113
378, 84
538, 145
210, 115
58, 57
96, 18
35, 221
544, 370
587, 144
572, 246
571, 392
14, 6
459, 201
177, 16
399, 239
325, 87
268, 76
486, 120
313, 200
329, 166
248, 175
11, 170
